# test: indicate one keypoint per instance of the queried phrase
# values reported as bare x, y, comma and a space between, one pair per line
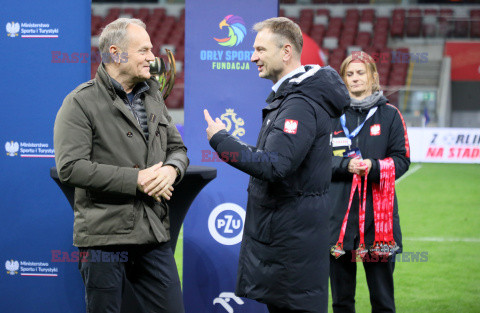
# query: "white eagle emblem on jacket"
290, 126
12, 267
12, 29
11, 148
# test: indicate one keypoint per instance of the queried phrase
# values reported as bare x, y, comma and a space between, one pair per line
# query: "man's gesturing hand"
214, 126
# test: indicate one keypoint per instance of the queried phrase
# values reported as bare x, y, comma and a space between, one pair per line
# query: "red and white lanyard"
383, 200
338, 250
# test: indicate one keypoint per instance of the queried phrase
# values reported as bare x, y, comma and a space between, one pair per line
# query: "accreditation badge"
353, 153
341, 142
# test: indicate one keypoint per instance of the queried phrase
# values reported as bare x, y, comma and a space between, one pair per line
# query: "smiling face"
358, 80
268, 56
139, 53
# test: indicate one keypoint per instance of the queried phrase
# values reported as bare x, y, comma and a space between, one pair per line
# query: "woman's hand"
359, 166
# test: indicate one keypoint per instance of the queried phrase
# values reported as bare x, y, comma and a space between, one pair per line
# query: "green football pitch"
439, 206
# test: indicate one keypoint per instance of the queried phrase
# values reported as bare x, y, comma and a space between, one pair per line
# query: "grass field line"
443, 239
411, 171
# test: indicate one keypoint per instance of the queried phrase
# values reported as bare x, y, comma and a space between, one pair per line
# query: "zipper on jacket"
356, 137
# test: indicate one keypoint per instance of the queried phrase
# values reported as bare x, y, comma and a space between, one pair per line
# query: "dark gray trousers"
150, 269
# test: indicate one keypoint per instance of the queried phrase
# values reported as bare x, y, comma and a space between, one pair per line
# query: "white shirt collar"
299, 69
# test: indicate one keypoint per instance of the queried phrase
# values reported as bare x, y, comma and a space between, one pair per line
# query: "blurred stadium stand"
407, 40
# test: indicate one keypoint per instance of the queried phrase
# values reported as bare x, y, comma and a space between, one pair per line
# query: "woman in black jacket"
371, 150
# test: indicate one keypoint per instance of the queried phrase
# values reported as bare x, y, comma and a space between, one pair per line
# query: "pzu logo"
225, 223
224, 298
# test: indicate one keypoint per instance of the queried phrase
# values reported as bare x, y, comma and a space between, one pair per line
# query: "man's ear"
287, 51
114, 54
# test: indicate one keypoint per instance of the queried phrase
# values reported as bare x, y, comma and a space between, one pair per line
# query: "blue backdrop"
221, 78
41, 63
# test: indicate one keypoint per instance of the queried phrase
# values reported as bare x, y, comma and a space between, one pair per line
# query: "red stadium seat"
352, 13
159, 12
475, 29
363, 40
414, 12
325, 12
368, 15
433, 12
143, 11
115, 11
131, 11
318, 29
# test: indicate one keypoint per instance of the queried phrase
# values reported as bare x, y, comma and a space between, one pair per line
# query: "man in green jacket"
117, 145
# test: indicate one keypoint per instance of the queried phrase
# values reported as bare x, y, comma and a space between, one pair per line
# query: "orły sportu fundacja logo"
236, 31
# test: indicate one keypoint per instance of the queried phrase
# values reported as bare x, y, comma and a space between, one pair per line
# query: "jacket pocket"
258, 223
161, 209
161, 132
260, 214
110, 215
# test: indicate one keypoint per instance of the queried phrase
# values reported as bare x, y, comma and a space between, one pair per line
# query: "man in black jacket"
284, 258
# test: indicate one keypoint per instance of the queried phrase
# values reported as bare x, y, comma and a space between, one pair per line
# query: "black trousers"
379, 274
150, 269
274, 309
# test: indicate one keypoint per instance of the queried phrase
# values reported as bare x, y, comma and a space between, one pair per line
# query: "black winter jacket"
284, 253
383, 135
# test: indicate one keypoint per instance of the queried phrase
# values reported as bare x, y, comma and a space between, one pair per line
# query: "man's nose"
254, 57
150, 56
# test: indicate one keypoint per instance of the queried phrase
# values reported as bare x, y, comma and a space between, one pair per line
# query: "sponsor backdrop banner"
444, 145
220, 77
36, 218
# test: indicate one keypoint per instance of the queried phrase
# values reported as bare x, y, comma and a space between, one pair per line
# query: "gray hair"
115, 33
284, 28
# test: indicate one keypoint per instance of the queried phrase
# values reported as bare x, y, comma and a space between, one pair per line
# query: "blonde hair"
284, 28
372, 73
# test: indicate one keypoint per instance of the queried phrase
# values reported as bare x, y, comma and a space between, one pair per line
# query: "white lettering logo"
224, 299
225, 223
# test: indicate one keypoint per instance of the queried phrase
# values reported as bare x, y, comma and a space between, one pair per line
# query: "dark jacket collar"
322, 85
138, 89
282, 90
104, 79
